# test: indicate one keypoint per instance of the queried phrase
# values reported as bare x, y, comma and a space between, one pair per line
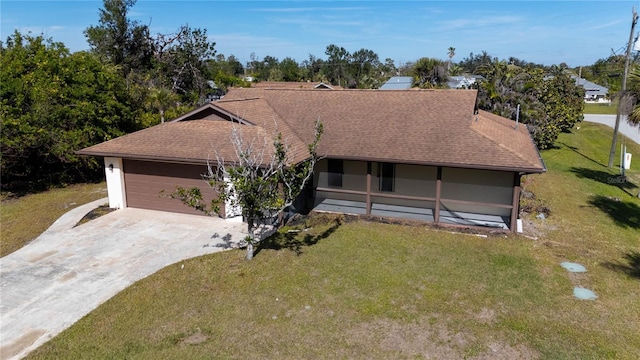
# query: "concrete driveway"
67, 272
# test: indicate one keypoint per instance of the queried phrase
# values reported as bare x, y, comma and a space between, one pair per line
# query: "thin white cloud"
308, 9
309, 22
469, 22
601, 26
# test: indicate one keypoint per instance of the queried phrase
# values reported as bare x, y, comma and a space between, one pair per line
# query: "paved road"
629, 131
66, 272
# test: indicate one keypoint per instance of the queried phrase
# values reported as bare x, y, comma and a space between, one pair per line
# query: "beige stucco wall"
354, 177
477, 185
412, 180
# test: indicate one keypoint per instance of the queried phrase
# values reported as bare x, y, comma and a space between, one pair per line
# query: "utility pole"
623, 91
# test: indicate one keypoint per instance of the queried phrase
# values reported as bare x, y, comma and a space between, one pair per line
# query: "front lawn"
595, 108
356, 289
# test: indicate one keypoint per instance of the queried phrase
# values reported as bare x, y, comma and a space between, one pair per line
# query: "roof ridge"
237, 100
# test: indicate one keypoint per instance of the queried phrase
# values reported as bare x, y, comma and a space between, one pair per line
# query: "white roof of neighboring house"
398, 83
459, 82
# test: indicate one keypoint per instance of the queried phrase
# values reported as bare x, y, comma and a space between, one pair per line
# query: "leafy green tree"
365, 69
226, 72
471, 63
230, 66
335, 67
311, 69
261, 69
261, 190
429, 73
181, 63
388, 69
176, 61
275, 75
562, 98
547, 104
120, 41
290, 70
54, 103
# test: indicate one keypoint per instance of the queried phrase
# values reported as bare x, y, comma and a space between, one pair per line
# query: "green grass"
26, 217
590, 108
355, 289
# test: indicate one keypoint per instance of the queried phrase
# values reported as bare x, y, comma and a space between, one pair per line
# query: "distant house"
593, 92
398, 83
462, 81
425, 155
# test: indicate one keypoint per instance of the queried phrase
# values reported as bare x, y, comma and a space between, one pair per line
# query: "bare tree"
261, 181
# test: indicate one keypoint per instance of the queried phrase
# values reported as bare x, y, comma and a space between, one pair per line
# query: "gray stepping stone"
584, 294
573, 267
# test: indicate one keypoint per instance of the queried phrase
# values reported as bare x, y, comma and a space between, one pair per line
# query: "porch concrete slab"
67, 272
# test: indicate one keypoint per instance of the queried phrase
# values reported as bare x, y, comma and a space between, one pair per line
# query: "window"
336, 169
386, 173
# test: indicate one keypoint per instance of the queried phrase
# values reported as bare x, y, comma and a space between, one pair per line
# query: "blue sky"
547, 32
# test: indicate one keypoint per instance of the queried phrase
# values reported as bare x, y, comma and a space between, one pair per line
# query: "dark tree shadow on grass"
295, 240
630, 264
605, 177
625, 214
575, 150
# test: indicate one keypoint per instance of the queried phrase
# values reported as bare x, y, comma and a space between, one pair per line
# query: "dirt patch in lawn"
427, 339
194, 339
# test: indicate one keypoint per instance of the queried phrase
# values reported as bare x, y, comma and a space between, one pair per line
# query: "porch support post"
281, 213
436, 211
515, 203
368, 205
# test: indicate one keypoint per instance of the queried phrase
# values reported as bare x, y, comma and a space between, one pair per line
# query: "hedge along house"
419, 154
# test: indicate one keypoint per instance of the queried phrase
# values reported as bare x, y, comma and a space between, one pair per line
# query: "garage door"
145, 181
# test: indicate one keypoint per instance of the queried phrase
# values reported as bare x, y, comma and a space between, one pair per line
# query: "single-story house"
592, 91
426, 155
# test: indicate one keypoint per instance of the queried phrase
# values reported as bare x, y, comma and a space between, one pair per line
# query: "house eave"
523, 170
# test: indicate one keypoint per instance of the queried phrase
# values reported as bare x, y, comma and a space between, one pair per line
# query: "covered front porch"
442, 195
412, 213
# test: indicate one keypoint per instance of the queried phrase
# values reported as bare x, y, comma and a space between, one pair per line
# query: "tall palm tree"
634, 94
451, 53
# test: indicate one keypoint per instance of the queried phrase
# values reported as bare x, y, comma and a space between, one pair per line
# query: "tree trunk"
250, 238
249, 255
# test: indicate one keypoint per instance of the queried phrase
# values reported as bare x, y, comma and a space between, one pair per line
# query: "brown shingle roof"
435, 127
431, 127
187, 141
